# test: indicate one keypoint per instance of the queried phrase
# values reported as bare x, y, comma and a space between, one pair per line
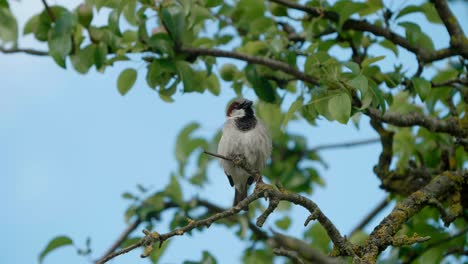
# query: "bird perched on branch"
243, 134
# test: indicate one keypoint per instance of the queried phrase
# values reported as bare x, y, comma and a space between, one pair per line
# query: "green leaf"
113, 22
389, 45
416, 37
31, 25
339, 107
319, 237
213, 3
213, 84
354, 67
162, 43
129, 12
378, 95
59, 39
422, 87
295, 106
261, 86
369, 61
174, 191
8, 26
359, 83
283, 223
174, 20
186, 74
100, 55
83, 59
57, 242
126, 80
157, 253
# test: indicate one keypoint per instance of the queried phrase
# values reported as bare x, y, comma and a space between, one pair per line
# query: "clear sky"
70, 145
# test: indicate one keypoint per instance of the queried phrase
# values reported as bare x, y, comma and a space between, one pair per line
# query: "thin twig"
217, 155
121, 239
27, 51
345, 144
382, 205
49, 11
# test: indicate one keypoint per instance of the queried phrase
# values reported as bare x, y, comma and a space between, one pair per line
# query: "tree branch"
448, 126
27, 51
261, 190
457, 37
363, 25
121, 238
271, 63
382, 205
49, 11
345, 144
413, 255
303, 249
289, 254
383, 234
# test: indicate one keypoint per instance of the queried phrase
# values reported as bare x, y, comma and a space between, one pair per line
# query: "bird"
243, 134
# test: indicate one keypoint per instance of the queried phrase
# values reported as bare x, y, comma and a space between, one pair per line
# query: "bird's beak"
247, 104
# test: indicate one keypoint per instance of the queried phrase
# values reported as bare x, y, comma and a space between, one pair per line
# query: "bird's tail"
239, 196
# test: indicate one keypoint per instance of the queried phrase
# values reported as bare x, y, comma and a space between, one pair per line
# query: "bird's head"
240, 108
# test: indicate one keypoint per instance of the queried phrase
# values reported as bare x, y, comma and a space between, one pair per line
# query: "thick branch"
304, 249
27, 51
449, 126
289, 254
383, 234
271, 63
453, 27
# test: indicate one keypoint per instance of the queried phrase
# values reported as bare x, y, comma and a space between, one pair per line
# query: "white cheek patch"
236, 113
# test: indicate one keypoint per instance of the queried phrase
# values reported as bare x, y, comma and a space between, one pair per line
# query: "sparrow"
243, 134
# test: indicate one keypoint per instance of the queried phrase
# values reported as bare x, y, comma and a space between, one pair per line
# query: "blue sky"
70, 145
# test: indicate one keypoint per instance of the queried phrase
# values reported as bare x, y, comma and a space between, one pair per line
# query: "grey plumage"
243, 134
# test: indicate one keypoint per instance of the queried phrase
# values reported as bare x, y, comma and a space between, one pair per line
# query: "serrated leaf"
295, 106
55, 243
126, 80
339, 107
8, 26
422, 87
